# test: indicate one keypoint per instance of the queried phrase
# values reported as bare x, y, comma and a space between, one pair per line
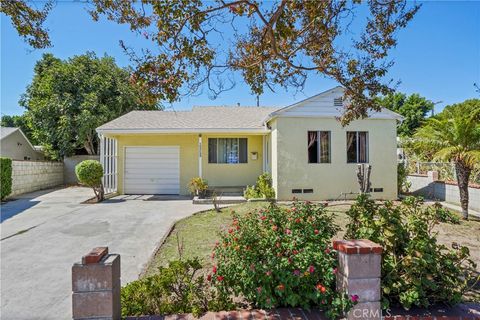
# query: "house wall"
16, 147
235, 174
291, 170
215, 174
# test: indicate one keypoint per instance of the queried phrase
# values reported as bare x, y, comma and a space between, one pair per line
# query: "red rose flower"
214, 269
263, 218
220, 278
311, 269
327, 251
316, 231
209, 277
297, 220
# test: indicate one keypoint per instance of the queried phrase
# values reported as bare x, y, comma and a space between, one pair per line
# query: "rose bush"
281, 256
416, 269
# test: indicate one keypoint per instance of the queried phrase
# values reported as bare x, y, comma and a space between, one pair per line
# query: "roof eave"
181, 130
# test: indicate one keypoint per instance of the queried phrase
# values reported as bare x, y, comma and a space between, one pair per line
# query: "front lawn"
195, 236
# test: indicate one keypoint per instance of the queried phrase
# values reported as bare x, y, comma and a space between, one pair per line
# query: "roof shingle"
197, 118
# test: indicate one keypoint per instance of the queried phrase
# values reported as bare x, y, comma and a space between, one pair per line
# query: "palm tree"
454, 136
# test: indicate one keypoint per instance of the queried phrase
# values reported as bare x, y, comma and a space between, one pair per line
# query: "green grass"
195, 236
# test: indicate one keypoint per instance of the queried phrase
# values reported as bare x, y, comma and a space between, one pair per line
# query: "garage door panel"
152, 170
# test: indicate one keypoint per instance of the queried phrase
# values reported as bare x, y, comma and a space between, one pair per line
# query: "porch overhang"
250, 131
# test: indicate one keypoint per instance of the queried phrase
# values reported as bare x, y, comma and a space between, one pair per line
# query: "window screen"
227, 150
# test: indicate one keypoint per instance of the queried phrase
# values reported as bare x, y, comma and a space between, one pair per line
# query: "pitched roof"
199, 118
6, 131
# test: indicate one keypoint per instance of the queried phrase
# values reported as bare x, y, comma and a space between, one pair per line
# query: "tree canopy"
200, 43
454, 136
21, 122
68, 99
413, 108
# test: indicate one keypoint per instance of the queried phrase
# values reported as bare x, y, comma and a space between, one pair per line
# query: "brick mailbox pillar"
359, 271
96, 286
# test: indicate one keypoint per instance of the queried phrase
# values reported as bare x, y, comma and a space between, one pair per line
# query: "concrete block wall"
429, 187
28, 176
69, 164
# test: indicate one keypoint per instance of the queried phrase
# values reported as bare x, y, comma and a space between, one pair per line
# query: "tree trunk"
463, 174
89, 146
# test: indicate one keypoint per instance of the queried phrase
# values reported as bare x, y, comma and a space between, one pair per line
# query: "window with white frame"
318, 146
357, 147
227, 150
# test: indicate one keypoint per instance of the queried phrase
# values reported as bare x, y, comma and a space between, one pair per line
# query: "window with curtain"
227, 150
357, 147
318, 146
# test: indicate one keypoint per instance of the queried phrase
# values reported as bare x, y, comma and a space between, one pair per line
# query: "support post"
359, 271
200, 155
96, 286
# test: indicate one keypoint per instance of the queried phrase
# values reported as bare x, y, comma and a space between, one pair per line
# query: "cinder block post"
359, 271
96, 286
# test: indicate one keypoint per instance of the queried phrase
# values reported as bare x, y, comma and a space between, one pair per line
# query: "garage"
152, 170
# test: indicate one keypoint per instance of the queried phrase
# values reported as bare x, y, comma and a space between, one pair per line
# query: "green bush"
90, 173
402, 184
6, 177
198, 186
281, 257
416, 270
262, 189
178, 288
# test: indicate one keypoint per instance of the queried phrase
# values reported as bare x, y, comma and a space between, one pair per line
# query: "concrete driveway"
44, 233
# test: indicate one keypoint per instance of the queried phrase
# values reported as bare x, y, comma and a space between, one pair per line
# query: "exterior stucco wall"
16, 147
291, 170
236, 174
216, 174
429, 188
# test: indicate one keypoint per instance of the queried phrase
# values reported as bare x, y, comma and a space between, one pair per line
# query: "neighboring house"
308, 153
15, 145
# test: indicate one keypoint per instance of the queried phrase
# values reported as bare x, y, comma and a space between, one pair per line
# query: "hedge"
6, 177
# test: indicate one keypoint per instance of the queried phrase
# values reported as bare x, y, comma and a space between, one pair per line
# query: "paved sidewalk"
44, 233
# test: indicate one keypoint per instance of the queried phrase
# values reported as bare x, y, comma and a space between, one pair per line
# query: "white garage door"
152, 170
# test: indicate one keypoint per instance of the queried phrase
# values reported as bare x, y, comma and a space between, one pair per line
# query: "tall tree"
454, 136
19, 122
68, 99
413, 108
202, 43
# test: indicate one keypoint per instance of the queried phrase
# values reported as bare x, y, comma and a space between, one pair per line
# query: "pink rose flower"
354, 298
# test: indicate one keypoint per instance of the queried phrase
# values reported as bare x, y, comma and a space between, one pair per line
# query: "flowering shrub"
416, 270
281, 257
178, 288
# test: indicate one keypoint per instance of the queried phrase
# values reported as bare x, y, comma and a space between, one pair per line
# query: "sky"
437, 56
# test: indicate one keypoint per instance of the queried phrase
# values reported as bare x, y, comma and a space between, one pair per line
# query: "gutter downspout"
200, 155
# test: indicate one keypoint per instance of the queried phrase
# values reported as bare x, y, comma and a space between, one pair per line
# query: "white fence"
108, 159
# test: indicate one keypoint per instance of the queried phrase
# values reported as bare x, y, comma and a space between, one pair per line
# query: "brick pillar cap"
362, 246
95, 255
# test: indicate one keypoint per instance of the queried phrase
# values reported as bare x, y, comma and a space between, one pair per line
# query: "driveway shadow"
12, 208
